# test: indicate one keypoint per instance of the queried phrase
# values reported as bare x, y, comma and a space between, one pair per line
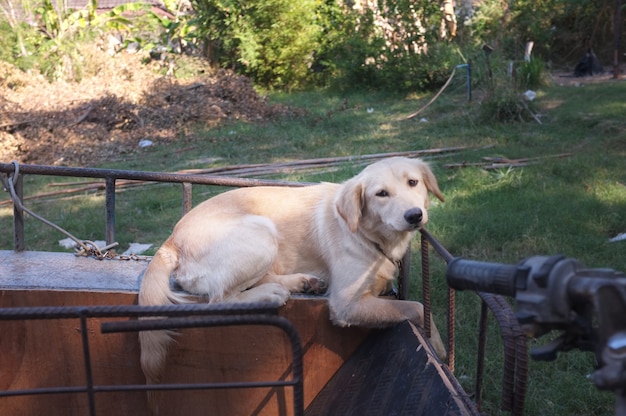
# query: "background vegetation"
388, 45
356, 85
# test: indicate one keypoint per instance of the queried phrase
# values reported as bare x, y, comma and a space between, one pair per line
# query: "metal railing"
15, 173
515, 368
179, 317
515, 371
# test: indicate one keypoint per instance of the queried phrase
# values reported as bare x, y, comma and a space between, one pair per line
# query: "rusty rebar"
426, 286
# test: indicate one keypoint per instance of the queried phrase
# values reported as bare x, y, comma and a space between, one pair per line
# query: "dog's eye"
382, 193
413, 182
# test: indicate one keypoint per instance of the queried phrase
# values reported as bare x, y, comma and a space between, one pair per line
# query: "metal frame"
179, 317
111, 176
515, 373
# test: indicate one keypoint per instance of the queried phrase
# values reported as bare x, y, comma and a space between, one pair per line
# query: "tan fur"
260, 244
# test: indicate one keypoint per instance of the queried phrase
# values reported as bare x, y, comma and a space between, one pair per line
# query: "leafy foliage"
272, 41
53, 44
384, 49
297, 44
531, 73
505, 105
562, 30
281, 44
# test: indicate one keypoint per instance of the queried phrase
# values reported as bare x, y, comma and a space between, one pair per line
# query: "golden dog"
261, 244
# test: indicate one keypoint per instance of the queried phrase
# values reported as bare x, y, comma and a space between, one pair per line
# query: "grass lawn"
569, 205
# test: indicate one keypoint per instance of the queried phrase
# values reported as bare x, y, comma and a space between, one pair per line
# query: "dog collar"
380, 249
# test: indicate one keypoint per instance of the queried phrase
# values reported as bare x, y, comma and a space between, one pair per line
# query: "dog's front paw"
315, 286
275, 293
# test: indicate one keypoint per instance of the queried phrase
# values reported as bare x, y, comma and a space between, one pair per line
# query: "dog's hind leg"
233, 264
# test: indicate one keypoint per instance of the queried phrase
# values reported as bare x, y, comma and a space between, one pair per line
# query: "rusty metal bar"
229, 320
110, 176
145, 176
19, 241
181, 316
121, 311
404, 275
451, 313
439, 248
515, 371
451, 328
110, 210
480, 356
426, 286
187, 197
521, 369
84, 334
514, 377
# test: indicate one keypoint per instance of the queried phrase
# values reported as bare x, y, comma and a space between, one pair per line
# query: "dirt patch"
567, 79
108, 115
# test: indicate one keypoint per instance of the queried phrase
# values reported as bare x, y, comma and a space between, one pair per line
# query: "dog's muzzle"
414, 216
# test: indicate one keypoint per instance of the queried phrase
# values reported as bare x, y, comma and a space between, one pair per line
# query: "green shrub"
270, 40
285, 44
505, 105
358, 54
531, 74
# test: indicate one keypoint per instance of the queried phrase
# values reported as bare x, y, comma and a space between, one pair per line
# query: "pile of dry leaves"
105, 116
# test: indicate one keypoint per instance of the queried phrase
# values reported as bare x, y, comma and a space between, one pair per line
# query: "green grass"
569, 205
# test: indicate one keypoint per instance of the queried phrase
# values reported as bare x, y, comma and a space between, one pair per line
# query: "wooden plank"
65, 271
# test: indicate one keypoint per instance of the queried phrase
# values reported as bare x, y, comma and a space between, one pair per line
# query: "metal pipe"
187, 197
145, 176
426, 285
19, 241
404, 276
110, 210
84, 333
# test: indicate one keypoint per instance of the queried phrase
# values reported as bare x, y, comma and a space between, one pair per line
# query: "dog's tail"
155, 291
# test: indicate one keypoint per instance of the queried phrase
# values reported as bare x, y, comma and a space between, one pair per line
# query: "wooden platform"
65, 271
44, 353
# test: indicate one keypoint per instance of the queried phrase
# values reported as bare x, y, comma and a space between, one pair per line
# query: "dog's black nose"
413, 216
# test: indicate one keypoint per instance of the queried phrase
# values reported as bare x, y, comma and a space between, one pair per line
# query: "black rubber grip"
480, 276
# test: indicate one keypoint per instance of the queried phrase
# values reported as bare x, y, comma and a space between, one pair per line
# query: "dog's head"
389, 196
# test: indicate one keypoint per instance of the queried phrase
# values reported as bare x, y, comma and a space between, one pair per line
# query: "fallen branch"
491, 163
83, 116
296, 164
410, 116
10, 126
530, 112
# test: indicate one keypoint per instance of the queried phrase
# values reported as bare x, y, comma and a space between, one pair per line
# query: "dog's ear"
431, 182
349, 203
